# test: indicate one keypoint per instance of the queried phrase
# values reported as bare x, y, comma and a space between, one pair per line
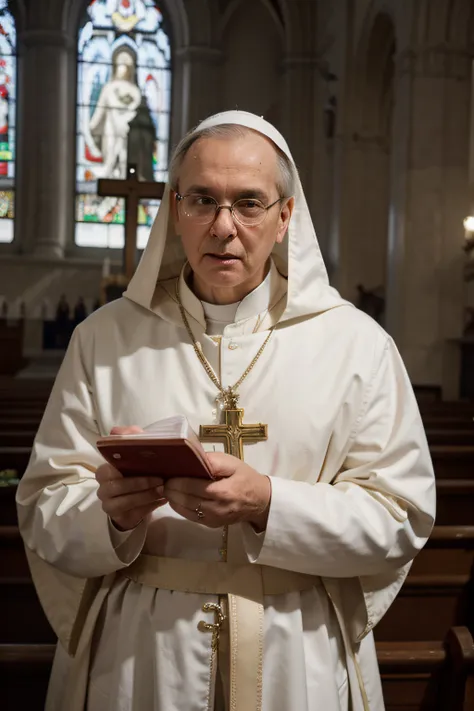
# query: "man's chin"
225, 275
222, 272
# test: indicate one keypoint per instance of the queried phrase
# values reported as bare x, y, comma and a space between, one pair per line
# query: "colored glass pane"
123, 109
7, 121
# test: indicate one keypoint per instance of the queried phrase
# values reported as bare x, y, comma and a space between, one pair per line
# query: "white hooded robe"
353, 495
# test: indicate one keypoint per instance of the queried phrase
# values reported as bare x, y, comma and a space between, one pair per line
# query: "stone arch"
373, 78
444, 23
233, 7
18, 10
202, 17
264, 47
299, 20
461, 24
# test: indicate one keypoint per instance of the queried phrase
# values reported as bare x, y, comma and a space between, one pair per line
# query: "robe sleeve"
378, 511
60, 517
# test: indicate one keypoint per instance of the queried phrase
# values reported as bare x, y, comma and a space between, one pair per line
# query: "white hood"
298, 257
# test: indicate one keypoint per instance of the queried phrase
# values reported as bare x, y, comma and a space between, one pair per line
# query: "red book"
166, 449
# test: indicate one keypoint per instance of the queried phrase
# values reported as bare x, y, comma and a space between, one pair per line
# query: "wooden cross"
132, 190
234, 433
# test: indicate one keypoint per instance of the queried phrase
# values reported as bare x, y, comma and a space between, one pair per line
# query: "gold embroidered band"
246, 585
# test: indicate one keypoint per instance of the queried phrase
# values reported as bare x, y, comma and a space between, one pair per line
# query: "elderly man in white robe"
257, 590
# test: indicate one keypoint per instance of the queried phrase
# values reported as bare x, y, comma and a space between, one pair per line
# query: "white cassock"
352, 485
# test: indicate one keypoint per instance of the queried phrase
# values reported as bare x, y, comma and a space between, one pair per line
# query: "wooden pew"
24, 675
26, 388
449, 462
26, 621
14, 458
433, 599
455, 503
18, 424
452, 462
450, 437
447, 407
437, 591
436, 437
7, 506
445, 422
448, 416
17, 438
428, 676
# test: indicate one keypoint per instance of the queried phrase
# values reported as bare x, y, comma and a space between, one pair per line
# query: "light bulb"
469, 223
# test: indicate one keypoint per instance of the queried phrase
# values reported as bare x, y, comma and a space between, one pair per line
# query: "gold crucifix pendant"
233, 433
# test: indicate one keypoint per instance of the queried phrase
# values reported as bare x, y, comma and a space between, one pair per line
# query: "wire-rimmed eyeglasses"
203, 209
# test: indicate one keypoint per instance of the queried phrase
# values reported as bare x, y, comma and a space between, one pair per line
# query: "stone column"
46, 141
429, 198
303, 127
199, 69
360, 223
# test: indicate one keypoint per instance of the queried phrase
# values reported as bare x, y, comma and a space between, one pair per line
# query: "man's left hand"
237, 493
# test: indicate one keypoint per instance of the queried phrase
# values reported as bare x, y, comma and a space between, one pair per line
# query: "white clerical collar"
251, 305
263, 298
220, 313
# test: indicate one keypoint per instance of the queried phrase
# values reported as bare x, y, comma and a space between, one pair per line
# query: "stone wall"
374, 100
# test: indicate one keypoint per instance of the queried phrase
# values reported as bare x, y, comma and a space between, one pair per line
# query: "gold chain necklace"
228, 396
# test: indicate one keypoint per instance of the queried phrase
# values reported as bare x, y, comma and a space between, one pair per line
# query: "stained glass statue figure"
142, 142
110, 123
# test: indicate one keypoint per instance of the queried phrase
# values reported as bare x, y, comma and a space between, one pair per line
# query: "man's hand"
238, 493
127, 500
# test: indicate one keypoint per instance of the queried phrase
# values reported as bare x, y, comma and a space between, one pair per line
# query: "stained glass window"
7, 121
123, 113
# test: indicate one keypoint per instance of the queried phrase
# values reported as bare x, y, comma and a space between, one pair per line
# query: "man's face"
229, 259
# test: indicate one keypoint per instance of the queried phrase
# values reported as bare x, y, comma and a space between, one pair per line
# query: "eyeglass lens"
202, 209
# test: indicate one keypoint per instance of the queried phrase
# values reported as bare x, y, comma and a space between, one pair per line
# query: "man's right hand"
127, 500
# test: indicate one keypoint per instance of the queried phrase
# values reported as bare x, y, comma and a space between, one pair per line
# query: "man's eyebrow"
255, 193
199, 189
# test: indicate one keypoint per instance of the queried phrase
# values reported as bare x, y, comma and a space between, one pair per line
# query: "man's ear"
174, 211
284, 219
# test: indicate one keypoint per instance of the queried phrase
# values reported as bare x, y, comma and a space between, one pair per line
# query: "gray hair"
286, 182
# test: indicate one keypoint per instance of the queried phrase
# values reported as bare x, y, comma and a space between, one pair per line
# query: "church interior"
376, 101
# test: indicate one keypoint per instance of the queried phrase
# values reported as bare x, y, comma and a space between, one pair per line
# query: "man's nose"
223, 226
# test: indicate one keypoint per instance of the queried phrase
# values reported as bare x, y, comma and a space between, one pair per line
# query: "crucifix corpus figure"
256, 588
132, 190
